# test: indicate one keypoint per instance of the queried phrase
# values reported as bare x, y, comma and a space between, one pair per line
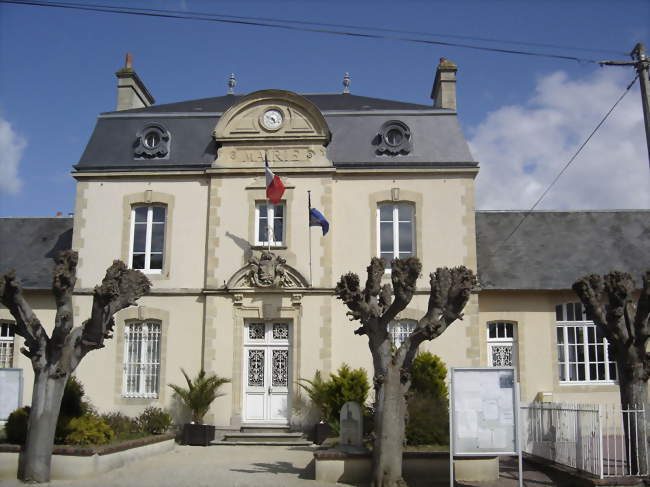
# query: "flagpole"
268, 210
309, 230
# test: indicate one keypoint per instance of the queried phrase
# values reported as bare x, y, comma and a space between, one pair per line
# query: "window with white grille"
399, 330
148, 238
584, 354
6, 345
141, 359
502, 344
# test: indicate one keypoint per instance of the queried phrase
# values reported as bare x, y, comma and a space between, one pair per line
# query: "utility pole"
642, 66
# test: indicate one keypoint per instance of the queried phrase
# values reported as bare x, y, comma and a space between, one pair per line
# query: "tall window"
141, 359
148, 237
399, 330
269, 217
502, 344
6, 345
584, 354
395, 228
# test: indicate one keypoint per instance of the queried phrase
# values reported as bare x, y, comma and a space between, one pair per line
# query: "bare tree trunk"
55, 358
36, 459
634, 395
390, 423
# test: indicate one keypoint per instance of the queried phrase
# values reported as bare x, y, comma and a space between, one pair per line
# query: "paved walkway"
246, 466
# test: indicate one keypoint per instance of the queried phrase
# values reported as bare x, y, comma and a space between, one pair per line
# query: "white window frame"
147, 256
563, 324
399, 330
270, 215
502, 339
395, 221
142, 363
7, 331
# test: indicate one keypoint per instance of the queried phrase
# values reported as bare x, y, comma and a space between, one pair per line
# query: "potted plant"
317, 390
198, 397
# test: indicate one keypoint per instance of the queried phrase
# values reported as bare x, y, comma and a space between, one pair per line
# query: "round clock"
272, 119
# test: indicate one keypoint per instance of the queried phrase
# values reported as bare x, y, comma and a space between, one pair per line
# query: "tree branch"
28, 325
404, 274
120, 288
62, 286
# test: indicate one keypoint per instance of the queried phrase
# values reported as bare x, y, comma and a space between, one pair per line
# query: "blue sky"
524, 116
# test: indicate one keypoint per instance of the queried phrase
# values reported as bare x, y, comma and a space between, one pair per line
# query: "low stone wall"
73, 463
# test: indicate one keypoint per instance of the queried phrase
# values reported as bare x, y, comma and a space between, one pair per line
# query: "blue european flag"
316, 219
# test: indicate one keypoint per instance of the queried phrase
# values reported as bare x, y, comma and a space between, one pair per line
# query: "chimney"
131, 91
443, 92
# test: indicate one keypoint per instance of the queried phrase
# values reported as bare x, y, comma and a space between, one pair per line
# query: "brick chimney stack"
443, 92
131, 91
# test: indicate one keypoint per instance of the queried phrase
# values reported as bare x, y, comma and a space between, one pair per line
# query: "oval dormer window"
152, 142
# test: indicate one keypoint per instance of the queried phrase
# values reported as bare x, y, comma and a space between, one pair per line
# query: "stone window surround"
148, 197
395, 195
140, 313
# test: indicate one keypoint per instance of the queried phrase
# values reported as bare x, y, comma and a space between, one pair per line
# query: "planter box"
198, 434
321, 432
73, 462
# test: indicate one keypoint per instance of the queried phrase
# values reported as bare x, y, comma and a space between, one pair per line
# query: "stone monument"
351, 432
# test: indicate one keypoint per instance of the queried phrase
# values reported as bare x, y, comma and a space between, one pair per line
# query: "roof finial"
346, 83
232, 82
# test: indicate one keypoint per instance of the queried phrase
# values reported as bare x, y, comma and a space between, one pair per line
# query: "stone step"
264, 443
275, 437
264, 429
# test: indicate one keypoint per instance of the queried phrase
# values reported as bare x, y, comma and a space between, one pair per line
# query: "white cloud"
521, 148
11, 151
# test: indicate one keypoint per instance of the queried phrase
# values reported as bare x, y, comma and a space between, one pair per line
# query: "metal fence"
586, 437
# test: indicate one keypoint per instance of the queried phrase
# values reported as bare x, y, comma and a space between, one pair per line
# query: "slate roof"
354, 123
552, 249
29, 245
324, 101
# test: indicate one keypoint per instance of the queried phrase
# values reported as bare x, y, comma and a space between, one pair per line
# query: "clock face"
272, 119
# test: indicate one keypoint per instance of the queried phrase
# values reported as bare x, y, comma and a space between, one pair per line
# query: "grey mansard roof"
552, 249
29, 246
354, 122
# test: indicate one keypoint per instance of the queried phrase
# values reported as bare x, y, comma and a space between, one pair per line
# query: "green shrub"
16, 426
122, 425
428, 408
88, 430
428, 421
154, 420
346, 385
73, 405
428, 375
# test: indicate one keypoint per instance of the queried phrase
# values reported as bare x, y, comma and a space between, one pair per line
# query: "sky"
524, 116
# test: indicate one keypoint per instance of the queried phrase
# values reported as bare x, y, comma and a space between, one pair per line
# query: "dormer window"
394, 138
152, 142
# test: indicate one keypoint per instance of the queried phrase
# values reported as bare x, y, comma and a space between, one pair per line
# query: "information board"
484, 411
11, 391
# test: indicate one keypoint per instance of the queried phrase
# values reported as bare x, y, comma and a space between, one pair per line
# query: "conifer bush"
428, 408
16, 426
88, 430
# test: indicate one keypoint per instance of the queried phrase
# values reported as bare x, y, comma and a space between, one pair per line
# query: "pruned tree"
55, 357
375, 306
610, 301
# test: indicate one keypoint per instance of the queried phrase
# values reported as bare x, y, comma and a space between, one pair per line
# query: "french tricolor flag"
274, 186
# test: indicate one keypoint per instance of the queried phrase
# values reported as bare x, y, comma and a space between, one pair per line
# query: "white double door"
267, 370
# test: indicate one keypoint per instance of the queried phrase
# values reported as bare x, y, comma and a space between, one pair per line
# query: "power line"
342, 26
199, 17
566, 166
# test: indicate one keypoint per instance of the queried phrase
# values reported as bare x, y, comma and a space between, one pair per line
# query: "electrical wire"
566, 166
151, 13
343, 26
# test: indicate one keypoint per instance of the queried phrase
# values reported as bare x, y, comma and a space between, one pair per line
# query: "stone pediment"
267, 271
279, 126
